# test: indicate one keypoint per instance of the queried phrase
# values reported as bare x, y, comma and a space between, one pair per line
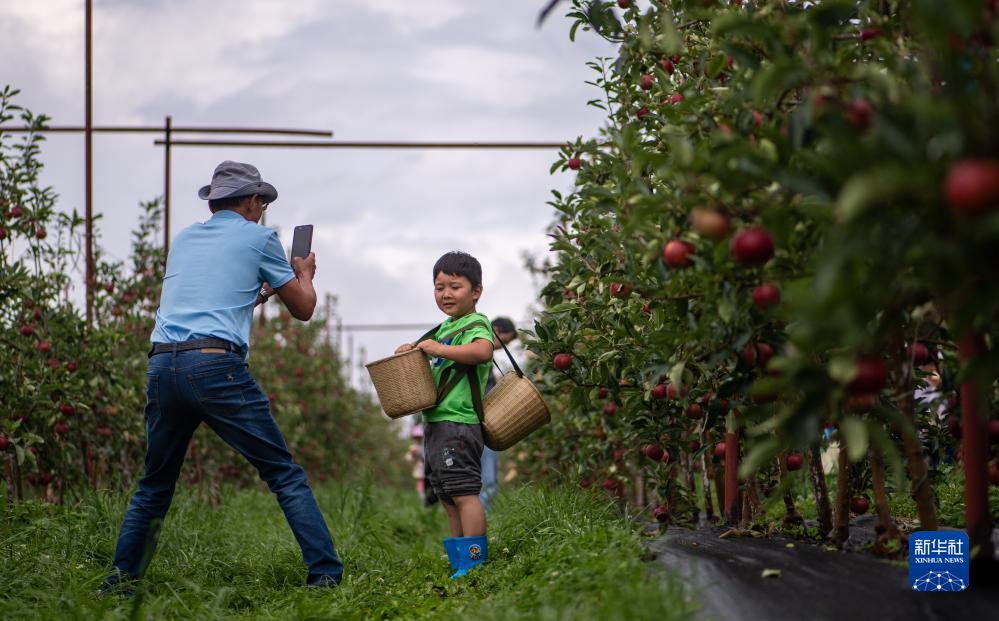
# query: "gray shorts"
453, 453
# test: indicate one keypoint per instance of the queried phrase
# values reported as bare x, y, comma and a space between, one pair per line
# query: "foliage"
815, 147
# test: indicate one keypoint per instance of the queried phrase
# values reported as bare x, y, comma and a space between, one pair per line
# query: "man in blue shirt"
217, 272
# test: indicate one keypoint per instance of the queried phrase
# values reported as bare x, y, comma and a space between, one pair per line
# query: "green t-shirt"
457, 405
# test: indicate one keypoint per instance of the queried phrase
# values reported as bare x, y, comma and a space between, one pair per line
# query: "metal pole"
88, 165
166, 191
156, 129
298, 144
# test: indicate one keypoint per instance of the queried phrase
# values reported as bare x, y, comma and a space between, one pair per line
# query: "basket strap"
449, 380
516, 367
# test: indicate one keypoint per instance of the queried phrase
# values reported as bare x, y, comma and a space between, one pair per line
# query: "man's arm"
298, 294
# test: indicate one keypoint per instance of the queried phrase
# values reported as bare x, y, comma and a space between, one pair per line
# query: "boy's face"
455, 294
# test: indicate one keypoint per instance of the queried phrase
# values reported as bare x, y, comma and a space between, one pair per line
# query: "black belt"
209, 343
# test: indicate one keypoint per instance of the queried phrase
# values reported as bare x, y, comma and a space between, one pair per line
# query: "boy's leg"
251, 430
471, 515
454, 522
169, 427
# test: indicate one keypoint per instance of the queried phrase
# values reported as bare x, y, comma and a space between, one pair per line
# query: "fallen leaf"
771, 573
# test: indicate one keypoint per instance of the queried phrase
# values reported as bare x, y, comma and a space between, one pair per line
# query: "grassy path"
558, 554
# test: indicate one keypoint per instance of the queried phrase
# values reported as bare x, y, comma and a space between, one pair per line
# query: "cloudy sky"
373, 70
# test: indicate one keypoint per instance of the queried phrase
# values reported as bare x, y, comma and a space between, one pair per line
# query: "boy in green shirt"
461, 350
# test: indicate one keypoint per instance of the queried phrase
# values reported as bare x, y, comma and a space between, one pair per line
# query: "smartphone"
301, 245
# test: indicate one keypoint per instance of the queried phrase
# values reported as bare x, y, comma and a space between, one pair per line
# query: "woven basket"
514, 410
404, 383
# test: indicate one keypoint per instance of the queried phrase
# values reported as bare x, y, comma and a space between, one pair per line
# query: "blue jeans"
490, 478
190, 387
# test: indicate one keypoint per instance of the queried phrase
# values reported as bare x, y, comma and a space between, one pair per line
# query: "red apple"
677, 253
611, 484
610, 409
720, 449
795, 461
693, 445
104, 430
665, 457
753, 246
41, 233
869, 33
16, 211
27, 330
676, 98
643, 111
563, 361
872, 374
67, 409
61, 427
624, 4
993, 473
766, 295
4, 442
620, 290
3, 233
764, 352
43, 346
710, 223
993, 427
53, 363
603, 393
661, 513
859, 505
673, 393
694, 411
585, 482
972, 187
653, 452
758, 118
858, 113
647, 82
667, 65
660, 391
918, 353
575, 163
749, 355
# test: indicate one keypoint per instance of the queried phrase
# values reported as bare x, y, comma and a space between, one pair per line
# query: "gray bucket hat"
233, 179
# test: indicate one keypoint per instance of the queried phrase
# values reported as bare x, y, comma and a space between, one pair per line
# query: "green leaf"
761, 453
676, 374
864, 190
855, 435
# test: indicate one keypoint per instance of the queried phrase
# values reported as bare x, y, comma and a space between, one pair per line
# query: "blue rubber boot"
471, 551
452, 552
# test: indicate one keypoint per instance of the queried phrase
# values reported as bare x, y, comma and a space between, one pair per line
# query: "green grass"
554, 554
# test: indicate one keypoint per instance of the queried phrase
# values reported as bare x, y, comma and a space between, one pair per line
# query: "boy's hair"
504, 325
458, 263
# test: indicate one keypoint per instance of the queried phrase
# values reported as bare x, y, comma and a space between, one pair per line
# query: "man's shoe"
116, 585
323, 581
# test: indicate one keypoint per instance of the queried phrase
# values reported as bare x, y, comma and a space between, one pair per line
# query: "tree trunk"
974, 443
731, 469
719, 478
822, 507
841, 523
709, 512
790, 512
691, 485
881, 495
921, 490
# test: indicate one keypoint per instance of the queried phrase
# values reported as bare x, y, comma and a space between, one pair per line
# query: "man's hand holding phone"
305, 266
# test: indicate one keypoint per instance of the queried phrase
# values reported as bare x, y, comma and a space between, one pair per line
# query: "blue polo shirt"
213, 274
